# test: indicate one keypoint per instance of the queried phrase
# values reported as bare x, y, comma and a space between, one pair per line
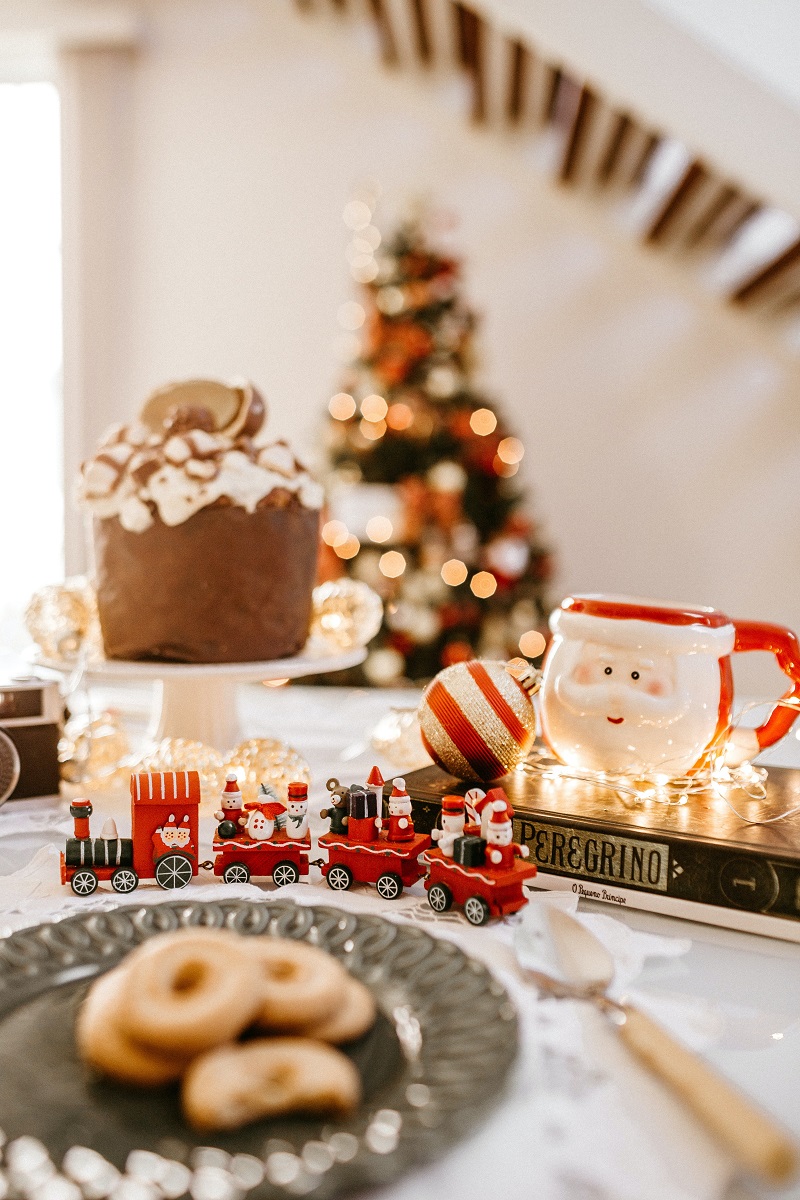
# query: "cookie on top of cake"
205, 530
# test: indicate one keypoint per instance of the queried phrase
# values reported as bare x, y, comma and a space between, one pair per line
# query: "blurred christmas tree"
424, 505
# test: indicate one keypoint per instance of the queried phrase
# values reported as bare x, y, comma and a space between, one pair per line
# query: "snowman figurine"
501, 849
297, 811
453, 820
260, 823
401, 826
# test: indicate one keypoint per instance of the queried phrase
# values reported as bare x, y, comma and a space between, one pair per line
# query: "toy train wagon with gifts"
362, 848
162, 845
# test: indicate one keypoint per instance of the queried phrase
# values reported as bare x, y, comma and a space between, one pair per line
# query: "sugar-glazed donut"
233, 1085
300, 984
187, 993
104, 1046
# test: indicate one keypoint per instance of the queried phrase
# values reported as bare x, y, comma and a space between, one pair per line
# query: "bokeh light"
454, 572
392, 564
399, 416
349, 547
373, 431
379, 529
335, 533
504, 469
374, 407
532, 643
483, 585
510, 450
483, 421
357, 215
390, 300
342, 406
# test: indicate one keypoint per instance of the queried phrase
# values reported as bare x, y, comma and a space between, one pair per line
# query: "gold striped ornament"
477, 721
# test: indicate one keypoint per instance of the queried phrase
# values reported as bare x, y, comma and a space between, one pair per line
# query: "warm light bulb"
392, 564
351, 315
510, 450
335, 533
374, 407
483, 585
373, 431
349, 547
341, 406
379, 529
454, 572
483, 421
399, 416
532, 643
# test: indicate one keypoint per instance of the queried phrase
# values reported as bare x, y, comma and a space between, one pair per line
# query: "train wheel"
476, 910
83, 883
124, 880
173, 871
340, 878
285, 872
389, 885
236, 873
440, 897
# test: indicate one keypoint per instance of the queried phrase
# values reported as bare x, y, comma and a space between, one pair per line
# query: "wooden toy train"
475, 863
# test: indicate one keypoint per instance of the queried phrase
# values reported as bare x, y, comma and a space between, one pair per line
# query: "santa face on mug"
631, 694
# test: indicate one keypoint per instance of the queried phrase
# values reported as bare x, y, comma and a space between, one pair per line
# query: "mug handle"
780, 641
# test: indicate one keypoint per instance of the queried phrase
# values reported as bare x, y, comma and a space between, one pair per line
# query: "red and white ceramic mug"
639, 685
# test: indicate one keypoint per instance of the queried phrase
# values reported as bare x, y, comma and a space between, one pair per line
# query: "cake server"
756, 1143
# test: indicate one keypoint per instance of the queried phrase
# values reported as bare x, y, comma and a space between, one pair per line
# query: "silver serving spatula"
756, 1143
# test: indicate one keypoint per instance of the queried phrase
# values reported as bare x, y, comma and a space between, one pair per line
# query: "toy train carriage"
86, 860
391, 866
283, 858
163, 842
466, 879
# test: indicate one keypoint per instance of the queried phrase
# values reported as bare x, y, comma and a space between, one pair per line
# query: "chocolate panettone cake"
205, 531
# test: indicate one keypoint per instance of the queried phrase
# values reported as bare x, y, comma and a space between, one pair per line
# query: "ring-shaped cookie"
187, 994
300, 984
350, 1020
105, 1047
233, 1085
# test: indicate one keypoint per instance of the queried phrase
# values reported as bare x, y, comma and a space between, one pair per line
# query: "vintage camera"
31, 719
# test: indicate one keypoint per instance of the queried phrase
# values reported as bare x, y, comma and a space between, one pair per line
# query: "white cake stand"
198, 701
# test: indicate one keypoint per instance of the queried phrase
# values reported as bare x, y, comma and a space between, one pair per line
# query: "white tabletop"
745, 988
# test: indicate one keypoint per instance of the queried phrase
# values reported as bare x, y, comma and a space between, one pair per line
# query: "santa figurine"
501, 850
174, 836
453, 820
231, 814
401, 826
297, 811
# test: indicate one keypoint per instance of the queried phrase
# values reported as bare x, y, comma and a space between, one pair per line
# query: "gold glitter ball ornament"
346, 613
182, 754
92, 749
62, 620
477, 721
266, 760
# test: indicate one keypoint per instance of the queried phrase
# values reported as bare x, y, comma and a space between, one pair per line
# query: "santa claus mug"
642, 686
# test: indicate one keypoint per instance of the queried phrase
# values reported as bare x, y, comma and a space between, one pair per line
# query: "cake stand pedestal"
198, 701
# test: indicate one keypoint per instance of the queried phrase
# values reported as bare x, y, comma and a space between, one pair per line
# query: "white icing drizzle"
196, 469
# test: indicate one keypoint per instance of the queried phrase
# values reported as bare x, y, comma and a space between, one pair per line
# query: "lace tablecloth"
580, 1119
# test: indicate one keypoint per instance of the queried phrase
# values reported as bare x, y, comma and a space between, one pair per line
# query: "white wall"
662, 431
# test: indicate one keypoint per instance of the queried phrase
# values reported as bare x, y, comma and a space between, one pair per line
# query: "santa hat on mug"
630, 624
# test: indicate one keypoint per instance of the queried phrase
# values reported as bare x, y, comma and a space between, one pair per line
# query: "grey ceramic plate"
435, 1062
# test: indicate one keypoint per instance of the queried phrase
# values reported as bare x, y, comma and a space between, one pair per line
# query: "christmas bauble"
476, 720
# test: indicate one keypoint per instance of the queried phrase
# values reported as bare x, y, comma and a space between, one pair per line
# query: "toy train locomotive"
475, 863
